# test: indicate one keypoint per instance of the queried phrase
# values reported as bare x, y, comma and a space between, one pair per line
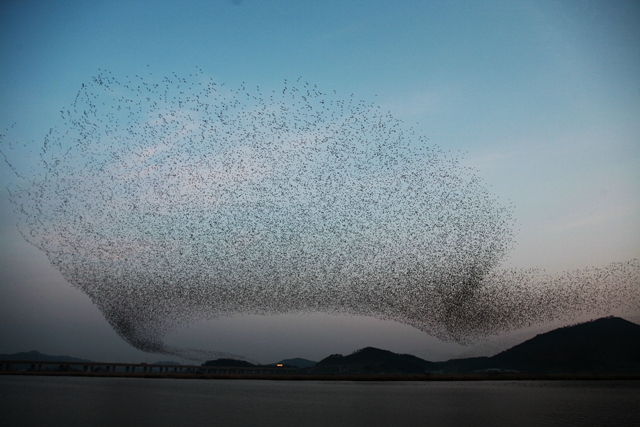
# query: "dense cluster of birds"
175, 199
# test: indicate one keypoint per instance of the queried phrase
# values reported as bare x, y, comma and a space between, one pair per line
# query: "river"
90, 401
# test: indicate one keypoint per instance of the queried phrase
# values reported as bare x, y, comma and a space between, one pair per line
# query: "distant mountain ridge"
609, 345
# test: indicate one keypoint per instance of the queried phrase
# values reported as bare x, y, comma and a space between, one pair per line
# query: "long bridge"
39, 366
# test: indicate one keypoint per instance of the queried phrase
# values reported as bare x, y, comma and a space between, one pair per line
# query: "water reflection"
26, 401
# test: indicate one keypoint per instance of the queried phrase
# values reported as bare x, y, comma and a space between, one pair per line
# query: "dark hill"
372, 360
607, 345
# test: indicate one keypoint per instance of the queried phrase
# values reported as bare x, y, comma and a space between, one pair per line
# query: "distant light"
279, 365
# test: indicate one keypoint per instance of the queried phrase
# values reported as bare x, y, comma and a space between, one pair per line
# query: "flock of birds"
177, 199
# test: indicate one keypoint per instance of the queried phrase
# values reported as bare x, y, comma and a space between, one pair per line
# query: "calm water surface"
67, 401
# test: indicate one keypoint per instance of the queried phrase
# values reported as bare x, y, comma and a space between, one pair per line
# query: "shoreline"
343, 377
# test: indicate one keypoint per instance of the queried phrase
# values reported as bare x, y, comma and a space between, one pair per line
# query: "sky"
541, 97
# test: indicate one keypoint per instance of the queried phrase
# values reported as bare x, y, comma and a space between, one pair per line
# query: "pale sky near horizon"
543, 97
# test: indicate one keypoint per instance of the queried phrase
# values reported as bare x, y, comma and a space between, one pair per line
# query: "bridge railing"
34, 366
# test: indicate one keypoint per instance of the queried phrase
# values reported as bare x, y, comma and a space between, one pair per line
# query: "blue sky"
542, 97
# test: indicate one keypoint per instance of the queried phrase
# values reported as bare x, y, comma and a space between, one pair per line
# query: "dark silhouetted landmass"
605, 346
608, 345
37, 356
372, 360
169, 362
